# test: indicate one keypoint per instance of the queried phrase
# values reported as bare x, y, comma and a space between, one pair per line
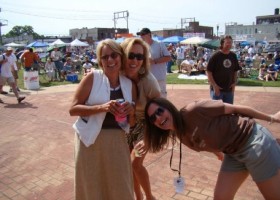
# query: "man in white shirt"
15, 72
180, 54
56, 56
159, 57
188, 64
6, 74
87, 66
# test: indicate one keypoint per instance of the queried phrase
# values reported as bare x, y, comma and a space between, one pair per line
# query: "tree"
22, 30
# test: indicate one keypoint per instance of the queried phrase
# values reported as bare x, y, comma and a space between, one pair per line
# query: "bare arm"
163, 59
213, 83
251, 112
78, 107
235, 81
131, 115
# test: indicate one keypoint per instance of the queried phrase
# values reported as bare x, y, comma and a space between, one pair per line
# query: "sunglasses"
138, 56
159, 111
113, 55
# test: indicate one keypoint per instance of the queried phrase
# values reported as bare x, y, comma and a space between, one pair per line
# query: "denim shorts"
226, 97
260, 156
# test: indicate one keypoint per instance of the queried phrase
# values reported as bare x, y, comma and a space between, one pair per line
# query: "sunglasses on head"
159, 111
113, 55
138, 56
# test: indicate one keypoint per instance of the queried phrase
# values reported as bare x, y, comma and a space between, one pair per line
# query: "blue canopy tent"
173, 39
37, 44
120, 40
212, 44
245, 43
157, 38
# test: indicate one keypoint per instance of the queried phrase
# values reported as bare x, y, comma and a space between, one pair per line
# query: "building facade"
265, 28
193, 27
96, 34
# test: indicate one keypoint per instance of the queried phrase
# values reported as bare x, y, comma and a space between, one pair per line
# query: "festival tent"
194, 40
51, 47
57, 42
157, 38
173, 39
212, 44
37, 44
245, 43
120, 40
78, 43
12, 44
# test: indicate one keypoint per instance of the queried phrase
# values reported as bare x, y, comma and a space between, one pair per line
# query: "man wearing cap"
2, 60
6, 74
159, 56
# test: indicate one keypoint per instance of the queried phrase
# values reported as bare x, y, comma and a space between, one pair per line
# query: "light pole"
116, 34
217, 30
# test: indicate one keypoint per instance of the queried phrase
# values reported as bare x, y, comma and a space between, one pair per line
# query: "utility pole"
118, 15
3, 22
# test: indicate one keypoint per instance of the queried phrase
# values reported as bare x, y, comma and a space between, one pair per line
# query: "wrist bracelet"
271, 119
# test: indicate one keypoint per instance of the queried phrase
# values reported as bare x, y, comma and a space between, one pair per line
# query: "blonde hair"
127, 45
115, 48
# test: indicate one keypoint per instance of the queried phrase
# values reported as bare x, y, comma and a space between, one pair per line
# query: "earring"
141, 70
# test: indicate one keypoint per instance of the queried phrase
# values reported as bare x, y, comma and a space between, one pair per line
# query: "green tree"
23, 30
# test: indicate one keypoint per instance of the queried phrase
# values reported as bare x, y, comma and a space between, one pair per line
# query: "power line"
53, 17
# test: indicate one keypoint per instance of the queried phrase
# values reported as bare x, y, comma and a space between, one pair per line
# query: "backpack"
2, 62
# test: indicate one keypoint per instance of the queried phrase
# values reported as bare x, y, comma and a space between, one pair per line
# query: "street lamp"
217, 30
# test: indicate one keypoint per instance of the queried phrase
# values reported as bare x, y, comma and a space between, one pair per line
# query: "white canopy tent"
78, 43
57, 42
194, 40
12, 44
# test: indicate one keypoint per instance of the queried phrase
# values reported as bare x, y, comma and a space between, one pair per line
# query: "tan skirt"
103, 170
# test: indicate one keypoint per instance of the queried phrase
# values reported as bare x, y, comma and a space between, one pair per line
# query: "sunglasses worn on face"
113, 55
159, 111
138, 56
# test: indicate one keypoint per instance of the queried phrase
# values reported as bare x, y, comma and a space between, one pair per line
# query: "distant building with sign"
193, 28
96, 34
265, 28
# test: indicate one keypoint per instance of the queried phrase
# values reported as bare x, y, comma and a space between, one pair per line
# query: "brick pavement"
36, 147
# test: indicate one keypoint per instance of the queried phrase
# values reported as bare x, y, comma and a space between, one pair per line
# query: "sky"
57, 17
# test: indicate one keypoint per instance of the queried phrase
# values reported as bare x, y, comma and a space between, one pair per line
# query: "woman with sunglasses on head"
214, 126
137, 69
102, 160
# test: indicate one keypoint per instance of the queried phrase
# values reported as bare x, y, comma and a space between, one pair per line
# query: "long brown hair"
155, 138
223, 40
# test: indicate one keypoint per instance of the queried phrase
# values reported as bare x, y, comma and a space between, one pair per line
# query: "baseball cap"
144, 31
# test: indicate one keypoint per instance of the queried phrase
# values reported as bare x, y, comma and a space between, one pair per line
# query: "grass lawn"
171, 79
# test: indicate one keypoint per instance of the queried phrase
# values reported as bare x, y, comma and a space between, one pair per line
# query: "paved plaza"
36, 146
